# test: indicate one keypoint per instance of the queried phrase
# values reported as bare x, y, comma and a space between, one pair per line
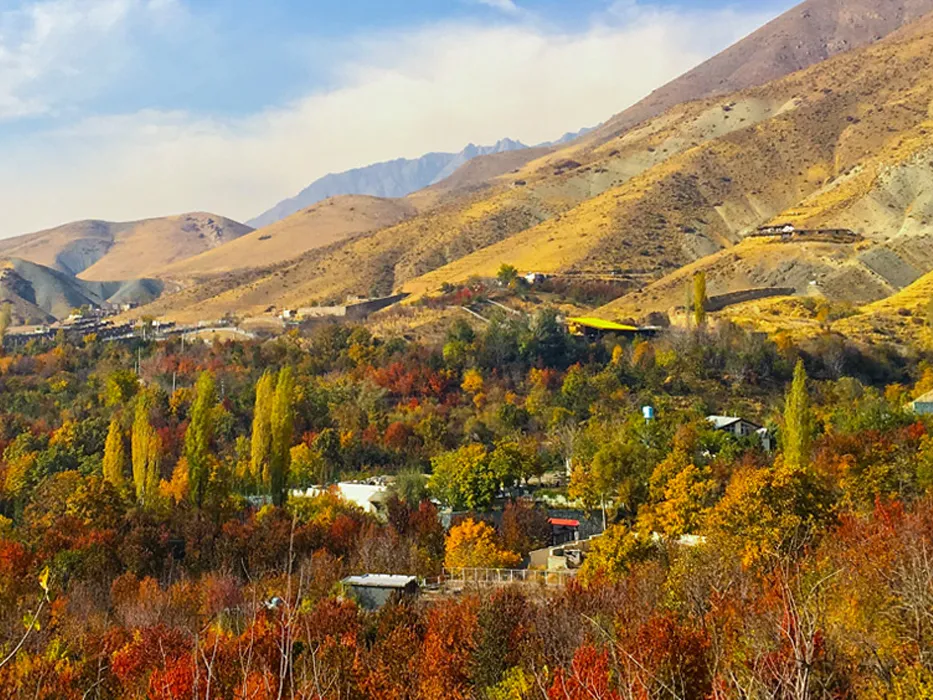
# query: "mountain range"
820, 119
392, 179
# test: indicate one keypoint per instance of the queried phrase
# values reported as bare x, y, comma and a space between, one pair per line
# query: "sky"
127, 109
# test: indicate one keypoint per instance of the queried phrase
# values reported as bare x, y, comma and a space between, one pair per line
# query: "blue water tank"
648, 412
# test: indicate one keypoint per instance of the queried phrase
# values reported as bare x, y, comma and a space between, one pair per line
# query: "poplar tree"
147, 451
797, 421
6, 318
261, 443
114, 455
699, 298
198, 437
283, 426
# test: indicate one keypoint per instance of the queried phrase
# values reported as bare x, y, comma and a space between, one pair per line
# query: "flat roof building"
373, 591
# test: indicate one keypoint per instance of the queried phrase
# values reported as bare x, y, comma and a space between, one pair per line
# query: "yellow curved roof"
601, 324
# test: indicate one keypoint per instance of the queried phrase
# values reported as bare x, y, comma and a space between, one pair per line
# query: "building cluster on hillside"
789, 232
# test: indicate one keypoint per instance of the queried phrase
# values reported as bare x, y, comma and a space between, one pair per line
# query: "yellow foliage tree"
115, 455
472, 545
472, 381
611, 555
176, 490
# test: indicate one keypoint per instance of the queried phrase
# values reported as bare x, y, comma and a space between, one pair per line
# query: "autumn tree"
261, 441
798, 421
525, 526
283, 425
198, 438
700, 299
613, 553
147, 451
114, 455
472, 545
613, 474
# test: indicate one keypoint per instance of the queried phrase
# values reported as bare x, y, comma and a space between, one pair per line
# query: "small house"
374, 591
593, 328
370, 496
923, 406
741, 428
564, 530
533, 278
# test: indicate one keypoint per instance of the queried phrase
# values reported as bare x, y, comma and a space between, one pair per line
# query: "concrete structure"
923, 406
722, 301
741, 428
355, 309
373, 591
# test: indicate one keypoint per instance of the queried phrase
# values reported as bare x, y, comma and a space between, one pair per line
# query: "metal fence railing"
504, 577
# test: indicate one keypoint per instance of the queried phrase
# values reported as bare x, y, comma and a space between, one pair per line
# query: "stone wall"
720, 302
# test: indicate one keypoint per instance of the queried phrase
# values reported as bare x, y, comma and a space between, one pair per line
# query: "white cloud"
435, 88
55, 51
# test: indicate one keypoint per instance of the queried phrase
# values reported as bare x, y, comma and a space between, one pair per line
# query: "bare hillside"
101, 250
803, 36
327, 222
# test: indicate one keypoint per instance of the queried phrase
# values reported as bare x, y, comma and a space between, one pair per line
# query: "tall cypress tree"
198, 438
115, 455
283, 426
261, 441
798, 421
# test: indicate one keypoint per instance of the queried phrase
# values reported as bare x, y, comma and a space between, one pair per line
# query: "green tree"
464, 478
798, 422
512, 461
411, 486
198, 438
507, 274
147, 451
114, 455
283, 426
6, 318
121, 386
327, 445
699, 298
261, 442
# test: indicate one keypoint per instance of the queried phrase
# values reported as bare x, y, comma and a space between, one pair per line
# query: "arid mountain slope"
803, 36
849, 147
679, 187
323, 224
101, 250
904, 317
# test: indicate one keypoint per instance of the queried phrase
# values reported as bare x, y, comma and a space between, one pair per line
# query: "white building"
371, 498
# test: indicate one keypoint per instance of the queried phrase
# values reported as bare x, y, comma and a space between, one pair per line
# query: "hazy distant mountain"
103, 250
396, 178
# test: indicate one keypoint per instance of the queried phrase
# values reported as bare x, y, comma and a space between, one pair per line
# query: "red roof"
564, 522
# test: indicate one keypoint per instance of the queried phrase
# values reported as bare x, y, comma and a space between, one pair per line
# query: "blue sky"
122, 109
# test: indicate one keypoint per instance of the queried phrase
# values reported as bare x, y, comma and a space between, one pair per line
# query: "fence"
504, 577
